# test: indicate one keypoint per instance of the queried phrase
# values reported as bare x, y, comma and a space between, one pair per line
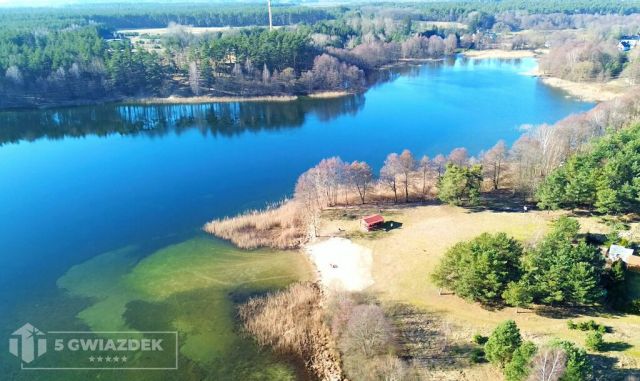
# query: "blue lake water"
79, 182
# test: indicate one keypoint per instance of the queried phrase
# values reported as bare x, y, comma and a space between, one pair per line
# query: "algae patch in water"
191, 287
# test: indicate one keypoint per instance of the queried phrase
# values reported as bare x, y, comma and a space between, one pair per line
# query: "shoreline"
236, 99
594, 92
589, 91
210, 99
585, 91
329, 94
499, 54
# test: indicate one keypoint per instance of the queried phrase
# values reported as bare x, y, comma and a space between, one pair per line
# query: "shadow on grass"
502, 201
616, 346
606, 368
390, 225
566, 312
427, 340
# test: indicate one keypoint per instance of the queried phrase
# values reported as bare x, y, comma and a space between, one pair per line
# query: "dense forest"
75, 54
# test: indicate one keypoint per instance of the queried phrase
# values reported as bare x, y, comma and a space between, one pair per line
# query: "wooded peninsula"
76, 55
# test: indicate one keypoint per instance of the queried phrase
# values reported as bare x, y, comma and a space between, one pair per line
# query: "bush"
502, 343
519, 368
480, 269
460, 185
594, 341
367, 332
614, 281
478, 356
578, 367
589, 325
632, 307
480, 339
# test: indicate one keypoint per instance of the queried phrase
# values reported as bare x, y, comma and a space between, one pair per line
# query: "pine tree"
502, 343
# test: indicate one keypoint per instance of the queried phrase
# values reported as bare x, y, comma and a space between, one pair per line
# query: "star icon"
124, 358
99, 358
116, 359
91, 359
108, 359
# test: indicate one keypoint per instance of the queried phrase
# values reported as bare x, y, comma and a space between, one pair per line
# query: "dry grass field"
403, 259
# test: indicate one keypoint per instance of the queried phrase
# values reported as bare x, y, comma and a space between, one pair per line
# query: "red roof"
373, 219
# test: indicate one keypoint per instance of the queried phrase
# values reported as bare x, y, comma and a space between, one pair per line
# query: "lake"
102, 206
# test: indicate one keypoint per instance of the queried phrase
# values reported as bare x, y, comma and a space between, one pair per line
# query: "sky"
40, 3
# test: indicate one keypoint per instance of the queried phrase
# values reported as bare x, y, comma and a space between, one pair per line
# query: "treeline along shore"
534, 168
76, 55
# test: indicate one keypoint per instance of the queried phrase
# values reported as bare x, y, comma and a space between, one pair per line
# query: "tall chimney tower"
270, 17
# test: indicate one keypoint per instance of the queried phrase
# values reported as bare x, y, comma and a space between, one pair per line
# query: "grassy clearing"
404, 258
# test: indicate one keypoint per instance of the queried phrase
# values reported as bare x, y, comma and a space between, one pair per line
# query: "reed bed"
291, 322
279, 226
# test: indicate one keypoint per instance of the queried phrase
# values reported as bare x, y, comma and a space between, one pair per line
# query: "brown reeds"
280, 226
291, 322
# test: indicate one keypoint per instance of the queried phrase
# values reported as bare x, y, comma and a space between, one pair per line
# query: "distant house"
621, 253
371, 222
628, 42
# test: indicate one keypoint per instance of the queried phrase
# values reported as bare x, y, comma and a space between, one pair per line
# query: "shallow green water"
192, 287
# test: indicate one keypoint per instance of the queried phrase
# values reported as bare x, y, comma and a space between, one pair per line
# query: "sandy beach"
498, 53
329, 94
342, 265
586, 91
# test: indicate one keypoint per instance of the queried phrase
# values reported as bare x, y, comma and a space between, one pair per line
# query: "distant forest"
73, 55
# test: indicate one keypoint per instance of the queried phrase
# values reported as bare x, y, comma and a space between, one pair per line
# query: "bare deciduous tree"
407, 166
440, 164
308, 195
360, 175
367, 332
459, 156
450, 44
390, 171
330, 176
525, 157
266, 75
436, 46
425, 167
14, 75
492, 162
548, 365
194, 78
